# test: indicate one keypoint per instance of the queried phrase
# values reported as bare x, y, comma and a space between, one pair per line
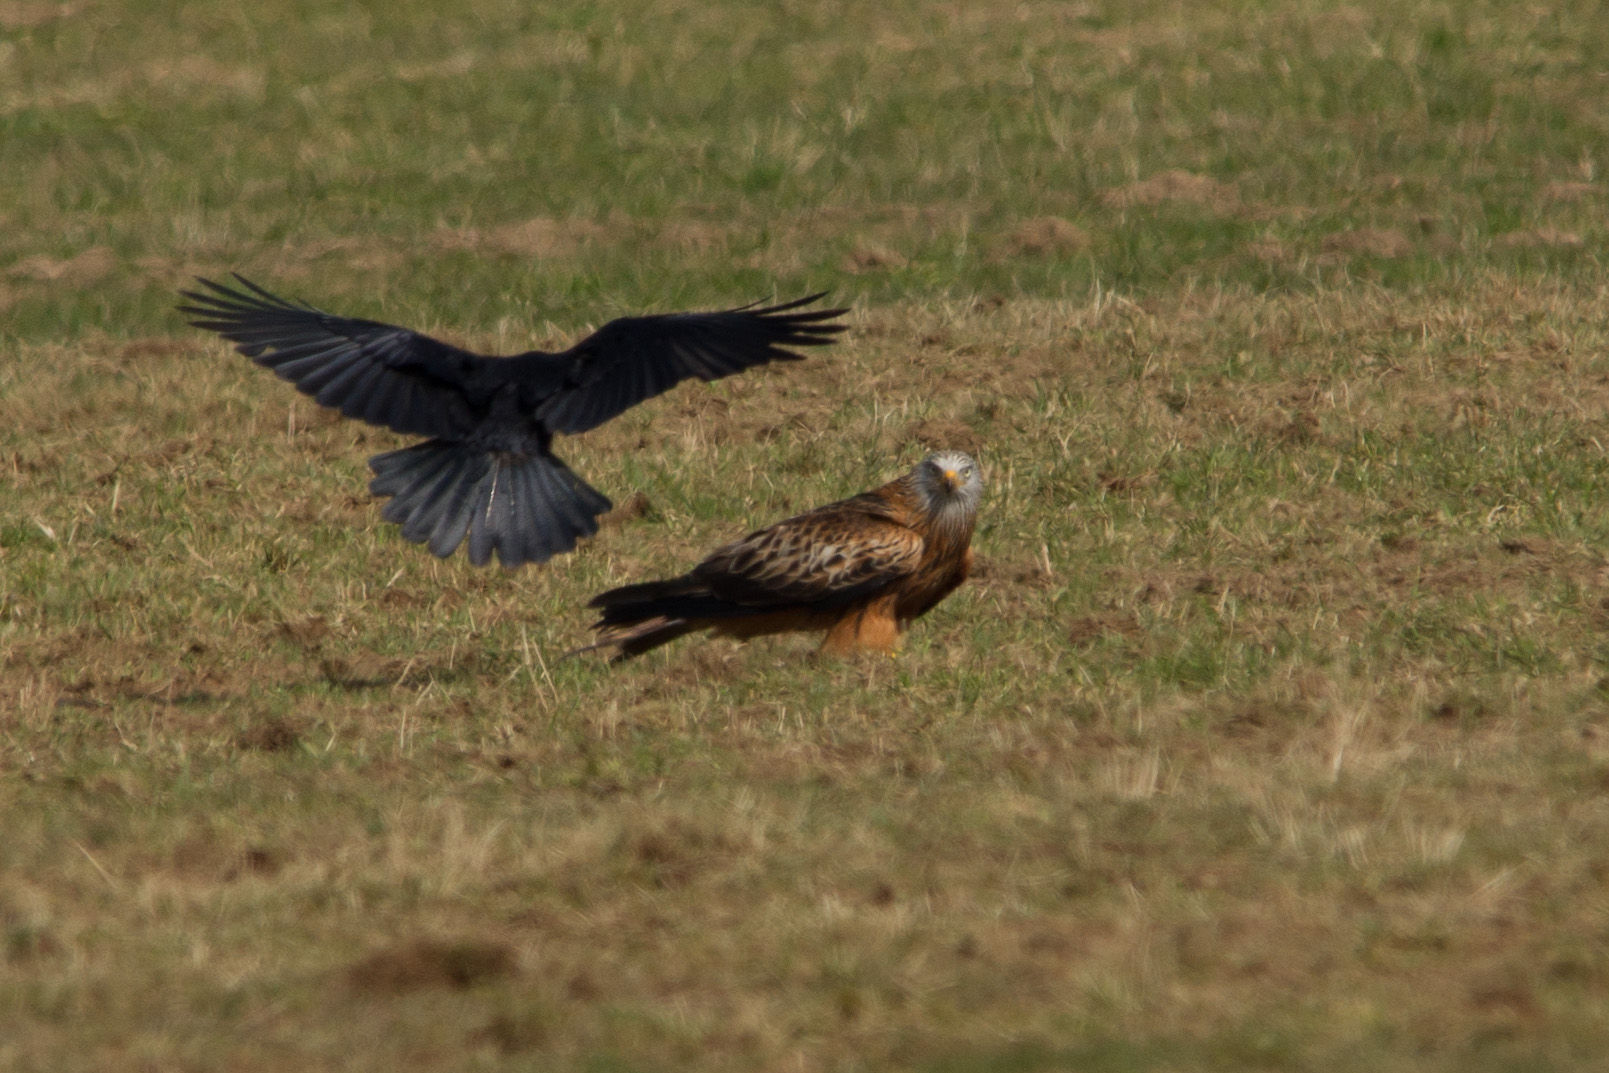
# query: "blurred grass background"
680, 151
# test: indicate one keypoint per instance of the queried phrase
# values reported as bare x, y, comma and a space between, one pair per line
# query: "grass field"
1273, 732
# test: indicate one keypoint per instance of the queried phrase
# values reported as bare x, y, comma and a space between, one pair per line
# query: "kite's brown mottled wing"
825, 558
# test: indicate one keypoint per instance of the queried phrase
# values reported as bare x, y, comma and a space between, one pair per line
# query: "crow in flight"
488, 470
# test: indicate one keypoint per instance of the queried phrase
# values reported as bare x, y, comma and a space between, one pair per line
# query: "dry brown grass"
1175, 186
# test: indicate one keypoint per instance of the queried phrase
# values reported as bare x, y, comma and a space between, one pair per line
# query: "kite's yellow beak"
951, 479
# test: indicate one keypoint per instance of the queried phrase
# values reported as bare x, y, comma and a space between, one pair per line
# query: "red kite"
861, 569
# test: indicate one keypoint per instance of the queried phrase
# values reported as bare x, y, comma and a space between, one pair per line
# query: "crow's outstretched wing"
635, 358
375, 372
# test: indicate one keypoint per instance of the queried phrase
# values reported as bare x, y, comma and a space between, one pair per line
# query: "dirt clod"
432, 963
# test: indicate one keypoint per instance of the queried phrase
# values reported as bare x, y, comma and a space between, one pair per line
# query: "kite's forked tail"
640, 618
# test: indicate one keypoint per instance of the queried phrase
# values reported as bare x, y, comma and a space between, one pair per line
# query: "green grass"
1271, 733
378, 153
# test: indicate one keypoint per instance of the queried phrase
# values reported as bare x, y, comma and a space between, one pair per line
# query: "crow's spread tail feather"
525, 507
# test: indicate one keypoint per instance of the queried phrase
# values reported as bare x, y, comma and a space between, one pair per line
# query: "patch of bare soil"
202, 857
872, 258
365, 254
633, 507
1538, 238
86, 266
671, 853
695, 236
365, 670
25, 16
273, 735
1568, 191
1045, 236
939, 434
1088, 629
1176, 187
1271, 250
513, 1035
540, 236
1385, 242
137, 351
705, 661
206, 73
428, 963
995, 573
1334, 31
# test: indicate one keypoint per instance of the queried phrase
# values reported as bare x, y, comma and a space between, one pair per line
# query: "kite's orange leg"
871, 627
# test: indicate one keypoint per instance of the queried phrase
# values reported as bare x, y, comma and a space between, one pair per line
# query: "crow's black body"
488, 473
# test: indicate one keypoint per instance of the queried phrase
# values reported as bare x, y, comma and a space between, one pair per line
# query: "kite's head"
951, 482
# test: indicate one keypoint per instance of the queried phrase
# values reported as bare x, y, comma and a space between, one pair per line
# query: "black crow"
488, 470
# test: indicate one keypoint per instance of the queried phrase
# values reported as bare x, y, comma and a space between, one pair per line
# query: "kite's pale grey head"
952, 485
